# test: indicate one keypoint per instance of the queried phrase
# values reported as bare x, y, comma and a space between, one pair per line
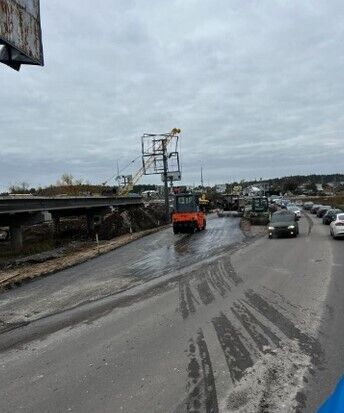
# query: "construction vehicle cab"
260, 204
204, 203
231, 205
259, 210
187, 216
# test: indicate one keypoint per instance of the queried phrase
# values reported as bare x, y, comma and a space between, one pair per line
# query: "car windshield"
340, 217
282, 218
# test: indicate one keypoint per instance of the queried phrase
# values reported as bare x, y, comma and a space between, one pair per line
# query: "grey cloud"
248, 83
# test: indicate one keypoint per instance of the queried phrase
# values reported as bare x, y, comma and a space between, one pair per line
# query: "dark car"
283, 223
308, 205
330, 216
315, 208
322, 210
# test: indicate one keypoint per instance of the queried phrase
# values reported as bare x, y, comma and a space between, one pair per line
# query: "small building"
253, 191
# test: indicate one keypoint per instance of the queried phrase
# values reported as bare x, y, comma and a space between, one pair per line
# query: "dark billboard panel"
20, 33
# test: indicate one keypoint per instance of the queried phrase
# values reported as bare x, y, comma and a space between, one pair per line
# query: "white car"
295, 209
337, 226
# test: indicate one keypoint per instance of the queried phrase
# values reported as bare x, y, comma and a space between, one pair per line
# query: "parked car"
330, 216
315, 208
337, 226
295, 209
308, 205
283, 223
322, 210
285, 203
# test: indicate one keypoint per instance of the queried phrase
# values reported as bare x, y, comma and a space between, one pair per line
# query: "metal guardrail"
10, 205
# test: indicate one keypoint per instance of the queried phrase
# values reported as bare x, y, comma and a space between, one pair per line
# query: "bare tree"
67, 179
21, 188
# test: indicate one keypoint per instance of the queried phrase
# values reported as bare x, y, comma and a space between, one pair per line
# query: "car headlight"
291, 227
271, 228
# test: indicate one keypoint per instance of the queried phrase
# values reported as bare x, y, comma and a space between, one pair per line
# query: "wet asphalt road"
146, 259
222, 324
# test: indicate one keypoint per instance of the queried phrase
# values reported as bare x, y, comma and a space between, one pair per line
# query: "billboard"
20, 33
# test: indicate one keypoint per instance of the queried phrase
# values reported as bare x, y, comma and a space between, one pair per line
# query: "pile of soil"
131, 220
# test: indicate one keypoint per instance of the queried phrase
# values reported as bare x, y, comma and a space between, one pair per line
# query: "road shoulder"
15, 277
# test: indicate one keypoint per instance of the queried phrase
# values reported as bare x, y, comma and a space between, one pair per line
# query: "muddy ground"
42, 243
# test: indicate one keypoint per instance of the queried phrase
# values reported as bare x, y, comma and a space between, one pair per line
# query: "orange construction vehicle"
187, 216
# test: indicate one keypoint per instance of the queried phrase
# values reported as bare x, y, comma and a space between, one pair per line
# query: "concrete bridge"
18, 211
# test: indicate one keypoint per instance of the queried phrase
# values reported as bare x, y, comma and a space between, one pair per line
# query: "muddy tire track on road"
201, 382
187, 301
259, 332
237, 356
308, 344
255, 338
214, 281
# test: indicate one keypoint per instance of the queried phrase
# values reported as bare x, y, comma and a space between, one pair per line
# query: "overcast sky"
257, 88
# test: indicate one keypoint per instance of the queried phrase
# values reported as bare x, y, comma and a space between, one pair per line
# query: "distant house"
329, 188
319, 187
253, 191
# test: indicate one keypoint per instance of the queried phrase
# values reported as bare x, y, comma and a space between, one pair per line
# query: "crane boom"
124, 190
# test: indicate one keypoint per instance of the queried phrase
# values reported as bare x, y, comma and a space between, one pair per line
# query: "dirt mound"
131, 220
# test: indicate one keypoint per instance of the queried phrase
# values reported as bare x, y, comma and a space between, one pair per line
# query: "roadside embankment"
13, 277
71, 247
252, 231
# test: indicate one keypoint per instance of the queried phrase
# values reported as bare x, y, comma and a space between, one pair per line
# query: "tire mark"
193, 387
209, 380
216, 285
205, 293
237, 356
257, 330
222, 276
186, 300
282, 298
201, 382
219, 284
229, 272
308, 344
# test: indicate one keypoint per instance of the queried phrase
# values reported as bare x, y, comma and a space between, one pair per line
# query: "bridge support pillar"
90, 224
57, 224
16, 235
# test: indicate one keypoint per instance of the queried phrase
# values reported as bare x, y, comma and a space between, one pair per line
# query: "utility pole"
117, 169
166, 192
202, 182
157, 159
